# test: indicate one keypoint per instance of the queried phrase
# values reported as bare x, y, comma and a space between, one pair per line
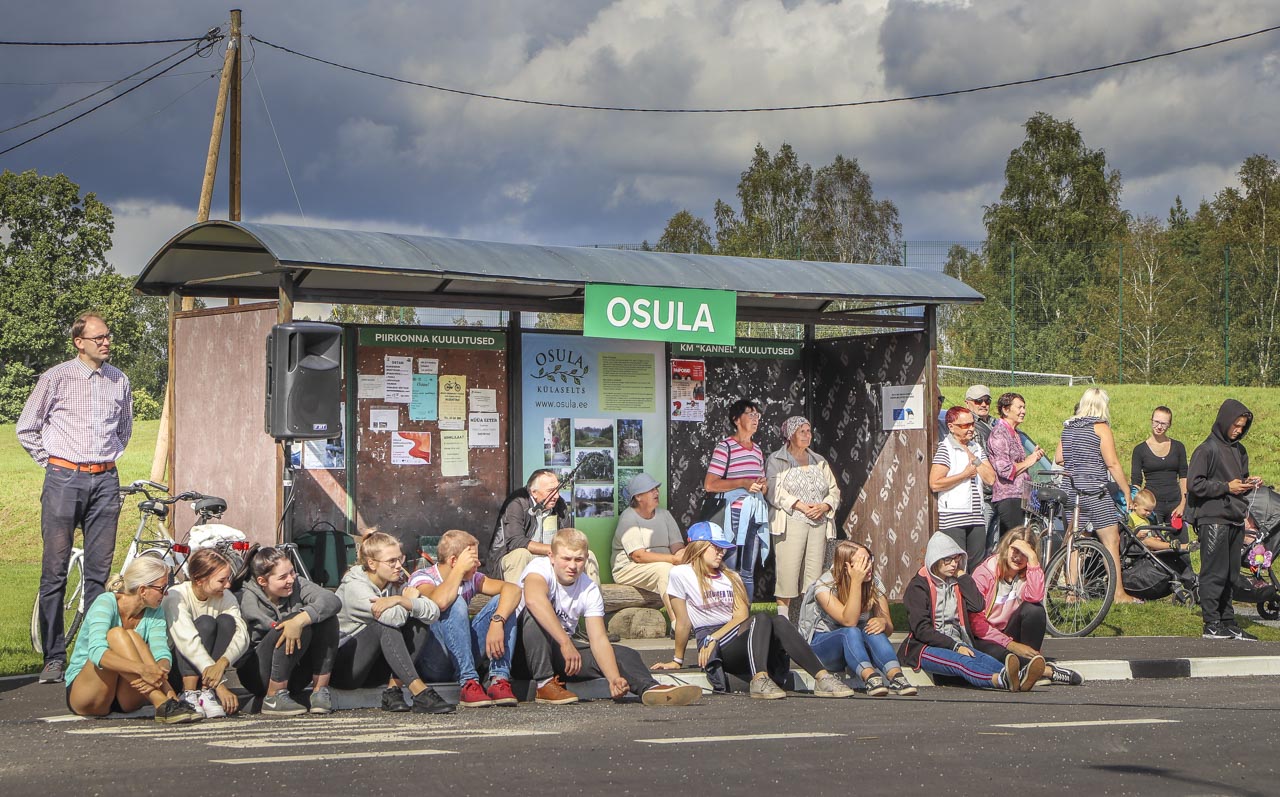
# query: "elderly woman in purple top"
1011, 462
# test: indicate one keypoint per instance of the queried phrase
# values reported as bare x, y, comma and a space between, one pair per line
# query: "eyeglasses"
99, 339
983, 400
396, 562
968, 425
751, 414
1161, 424
956, 558
161, 590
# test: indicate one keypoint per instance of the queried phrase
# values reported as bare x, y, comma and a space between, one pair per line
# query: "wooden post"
931, 393
233, 172
284, 314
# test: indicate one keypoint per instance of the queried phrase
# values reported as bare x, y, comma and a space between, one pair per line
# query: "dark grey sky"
371, 154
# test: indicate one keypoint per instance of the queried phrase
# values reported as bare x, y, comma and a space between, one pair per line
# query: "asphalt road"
1169, 737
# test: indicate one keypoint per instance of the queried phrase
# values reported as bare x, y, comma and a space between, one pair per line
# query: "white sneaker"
209, 705
192, 698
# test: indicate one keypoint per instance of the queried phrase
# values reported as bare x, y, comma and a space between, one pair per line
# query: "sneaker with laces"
210, 706
1065, 677
901, 687
553, 692
429, 701
176, 712
664, 695
500, 692
1031, 673
53, 672
1216, 631
321, 700
393, 700
1239, 633
876, 686
829, 685
1008, 677
472, 695
191, 697
281, 704
763, 688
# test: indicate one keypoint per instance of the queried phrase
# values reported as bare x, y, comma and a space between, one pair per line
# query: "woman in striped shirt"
958, 465
736, 472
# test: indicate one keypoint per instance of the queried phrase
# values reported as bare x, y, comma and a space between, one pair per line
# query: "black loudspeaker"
304, 381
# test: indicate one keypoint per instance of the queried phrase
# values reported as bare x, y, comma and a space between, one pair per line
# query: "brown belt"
95, 467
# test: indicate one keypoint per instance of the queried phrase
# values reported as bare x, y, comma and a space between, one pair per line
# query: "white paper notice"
370, 386
384, 419
452, 425
902, 407
411, 448
454, 460
483, 432
483, 400
399, 379
426, 365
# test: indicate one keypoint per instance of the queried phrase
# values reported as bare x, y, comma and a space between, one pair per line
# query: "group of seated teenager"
291, 641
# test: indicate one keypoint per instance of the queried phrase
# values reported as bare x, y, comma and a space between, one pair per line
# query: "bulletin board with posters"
430, 422
602, 403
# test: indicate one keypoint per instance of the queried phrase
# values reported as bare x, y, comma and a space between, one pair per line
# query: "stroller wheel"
1269, 609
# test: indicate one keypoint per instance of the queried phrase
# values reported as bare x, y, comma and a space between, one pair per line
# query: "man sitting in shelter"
557, 594
527, 521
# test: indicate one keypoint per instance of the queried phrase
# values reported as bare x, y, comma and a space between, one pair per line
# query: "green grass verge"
17, 596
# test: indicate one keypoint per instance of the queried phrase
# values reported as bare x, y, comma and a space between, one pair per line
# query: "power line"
212, 33
280, 147
96, 93
102, 104
816, 106
84, 82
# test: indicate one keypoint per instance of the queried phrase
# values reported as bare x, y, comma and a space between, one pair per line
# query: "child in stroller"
1155, 563
1255, 582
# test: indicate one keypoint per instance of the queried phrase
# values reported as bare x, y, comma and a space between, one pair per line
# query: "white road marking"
313, 759
1085, 723
386, 735
743, 738
64, 718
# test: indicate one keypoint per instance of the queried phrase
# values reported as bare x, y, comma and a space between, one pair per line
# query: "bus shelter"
442, 422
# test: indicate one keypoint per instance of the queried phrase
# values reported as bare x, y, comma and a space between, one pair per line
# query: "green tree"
687, 234
846, 223
369, 314
774, 195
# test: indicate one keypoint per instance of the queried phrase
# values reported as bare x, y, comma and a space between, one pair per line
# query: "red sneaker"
473, 696
500, 692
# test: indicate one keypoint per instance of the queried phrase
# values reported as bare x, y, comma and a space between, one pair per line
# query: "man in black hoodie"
1217, 482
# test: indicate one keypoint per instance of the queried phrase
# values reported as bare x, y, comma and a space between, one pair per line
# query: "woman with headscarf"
803, 496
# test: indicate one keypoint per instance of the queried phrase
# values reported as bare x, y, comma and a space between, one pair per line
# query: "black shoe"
1216, 631
429, 701
1239, 633
53, 671
175, 712
393, 700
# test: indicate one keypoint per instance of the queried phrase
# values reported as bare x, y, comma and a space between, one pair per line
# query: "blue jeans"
854, 649
976, 669
457, 641
743, 558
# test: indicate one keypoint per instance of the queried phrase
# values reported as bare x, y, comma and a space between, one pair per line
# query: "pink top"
1001, 604
1004, 451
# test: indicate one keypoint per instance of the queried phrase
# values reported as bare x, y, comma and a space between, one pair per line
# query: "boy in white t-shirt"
557, 594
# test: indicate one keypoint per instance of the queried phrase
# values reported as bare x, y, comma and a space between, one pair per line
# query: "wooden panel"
883, 476
220, 448
412, 500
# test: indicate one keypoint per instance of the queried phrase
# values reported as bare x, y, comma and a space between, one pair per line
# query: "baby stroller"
1152, 575
1256, 582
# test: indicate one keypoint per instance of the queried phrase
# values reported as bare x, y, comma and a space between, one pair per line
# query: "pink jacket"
1028, 589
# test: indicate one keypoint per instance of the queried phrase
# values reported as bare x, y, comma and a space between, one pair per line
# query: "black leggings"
266, 662
377, 652
1027, 625
215, 635
543, 659
763, 641
973, 539
1011, 515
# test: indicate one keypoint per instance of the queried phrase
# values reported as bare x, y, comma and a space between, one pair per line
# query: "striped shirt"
78, 414
973, 515
731, 460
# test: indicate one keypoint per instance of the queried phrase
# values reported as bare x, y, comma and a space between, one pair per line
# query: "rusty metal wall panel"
412, 500
220, 447
883, 476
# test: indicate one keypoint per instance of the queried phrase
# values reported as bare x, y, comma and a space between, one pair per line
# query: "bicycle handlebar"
141, 485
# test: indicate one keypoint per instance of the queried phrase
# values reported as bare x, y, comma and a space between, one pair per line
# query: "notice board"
430, 429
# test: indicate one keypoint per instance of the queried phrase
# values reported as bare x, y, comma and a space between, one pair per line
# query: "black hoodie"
1217, 461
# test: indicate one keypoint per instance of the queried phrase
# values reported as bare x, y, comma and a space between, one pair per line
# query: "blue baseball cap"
712, 533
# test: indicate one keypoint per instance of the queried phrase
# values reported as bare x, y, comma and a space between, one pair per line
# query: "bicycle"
149, 539
1080, 578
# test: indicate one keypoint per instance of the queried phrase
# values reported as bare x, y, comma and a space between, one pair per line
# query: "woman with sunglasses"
737, 473
1011, 462
208, 633
121, 658
958, 472
1159, 464
382, 628
293, 636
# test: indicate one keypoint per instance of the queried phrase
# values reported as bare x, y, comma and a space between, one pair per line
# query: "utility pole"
233, 174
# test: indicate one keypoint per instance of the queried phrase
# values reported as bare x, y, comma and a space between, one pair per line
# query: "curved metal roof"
247, 260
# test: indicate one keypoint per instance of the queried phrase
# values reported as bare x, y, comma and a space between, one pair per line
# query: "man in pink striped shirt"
76, 424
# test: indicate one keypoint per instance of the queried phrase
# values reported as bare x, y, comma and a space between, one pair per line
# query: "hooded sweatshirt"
1214, 463
261, 615
942, 613
356, 592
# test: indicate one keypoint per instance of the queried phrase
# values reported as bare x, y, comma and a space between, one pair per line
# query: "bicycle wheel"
73, 607
1079, 589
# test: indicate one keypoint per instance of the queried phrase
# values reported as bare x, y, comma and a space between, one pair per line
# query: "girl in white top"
710, 602
208, 633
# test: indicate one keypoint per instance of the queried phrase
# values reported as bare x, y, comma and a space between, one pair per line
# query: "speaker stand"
285, 526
